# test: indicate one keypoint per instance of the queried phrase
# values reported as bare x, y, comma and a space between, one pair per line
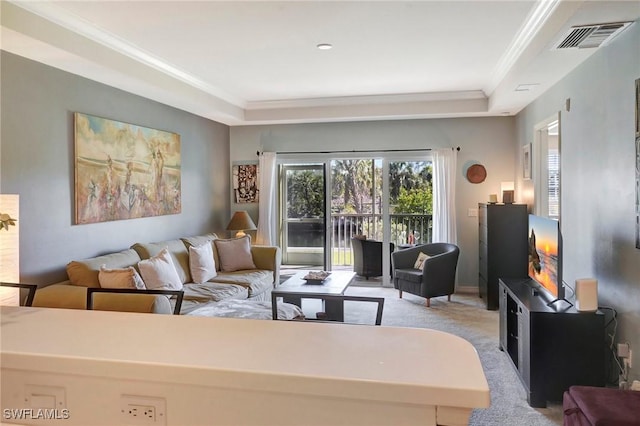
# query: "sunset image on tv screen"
543, 253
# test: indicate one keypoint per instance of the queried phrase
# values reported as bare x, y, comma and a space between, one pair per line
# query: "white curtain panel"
267, 205
444, 195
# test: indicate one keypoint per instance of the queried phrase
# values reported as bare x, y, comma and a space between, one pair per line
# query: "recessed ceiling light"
324, 46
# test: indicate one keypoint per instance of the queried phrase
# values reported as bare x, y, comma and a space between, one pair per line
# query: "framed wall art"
124, 171
526, 161
637, 133
245, 183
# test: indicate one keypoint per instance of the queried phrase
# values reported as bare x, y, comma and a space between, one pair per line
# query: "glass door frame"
326, 159
283, 216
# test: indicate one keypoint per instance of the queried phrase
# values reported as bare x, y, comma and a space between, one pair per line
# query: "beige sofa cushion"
196, 295
201, 263
198, 240
85, 272
256, 281
178, 252
120, 278
159, 273
67, 296
235, 254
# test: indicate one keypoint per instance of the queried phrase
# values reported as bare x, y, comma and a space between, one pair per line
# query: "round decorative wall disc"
476, 173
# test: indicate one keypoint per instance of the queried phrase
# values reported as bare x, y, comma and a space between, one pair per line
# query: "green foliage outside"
305, 194
418, 201
410, 188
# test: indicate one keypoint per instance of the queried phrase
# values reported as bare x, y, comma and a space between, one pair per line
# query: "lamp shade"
241, 221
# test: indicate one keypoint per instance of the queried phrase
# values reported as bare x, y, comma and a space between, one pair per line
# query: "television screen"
545, 254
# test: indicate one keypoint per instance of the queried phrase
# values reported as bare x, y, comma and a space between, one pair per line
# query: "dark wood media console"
551, 347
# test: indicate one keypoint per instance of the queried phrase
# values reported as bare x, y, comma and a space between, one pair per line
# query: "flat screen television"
545, 255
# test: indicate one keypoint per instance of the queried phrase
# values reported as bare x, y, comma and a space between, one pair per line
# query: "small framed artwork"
638, 108
245, 183
526, 161
637, 125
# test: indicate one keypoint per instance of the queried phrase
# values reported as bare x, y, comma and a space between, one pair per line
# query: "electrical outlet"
142, 410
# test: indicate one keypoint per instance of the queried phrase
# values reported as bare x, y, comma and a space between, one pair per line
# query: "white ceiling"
242, 62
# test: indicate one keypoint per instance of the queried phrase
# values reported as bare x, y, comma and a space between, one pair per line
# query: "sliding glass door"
384, 199
302, 190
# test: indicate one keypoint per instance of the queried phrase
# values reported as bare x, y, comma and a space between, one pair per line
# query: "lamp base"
240, 234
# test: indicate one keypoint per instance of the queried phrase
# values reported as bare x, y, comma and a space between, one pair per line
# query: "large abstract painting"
124, 171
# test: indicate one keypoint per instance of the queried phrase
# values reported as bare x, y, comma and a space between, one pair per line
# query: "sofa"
252, 284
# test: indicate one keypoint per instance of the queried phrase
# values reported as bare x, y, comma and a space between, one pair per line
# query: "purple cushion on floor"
607, 407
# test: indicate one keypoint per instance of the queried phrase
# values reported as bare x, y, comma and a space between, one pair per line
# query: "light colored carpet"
466, 317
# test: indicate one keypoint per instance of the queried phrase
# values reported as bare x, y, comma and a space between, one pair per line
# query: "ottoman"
251, 309
593, 406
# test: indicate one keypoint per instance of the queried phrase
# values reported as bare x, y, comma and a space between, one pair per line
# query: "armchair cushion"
412, 275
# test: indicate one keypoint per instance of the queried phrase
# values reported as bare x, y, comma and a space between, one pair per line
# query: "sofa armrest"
178, 293
67, 296
268, 258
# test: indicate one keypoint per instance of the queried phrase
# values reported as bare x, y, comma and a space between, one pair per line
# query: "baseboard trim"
467, 289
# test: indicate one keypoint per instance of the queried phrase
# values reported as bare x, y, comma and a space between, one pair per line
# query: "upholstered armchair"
437, 277
367, 257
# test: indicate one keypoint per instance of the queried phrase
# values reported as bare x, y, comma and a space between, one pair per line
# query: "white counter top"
404, 365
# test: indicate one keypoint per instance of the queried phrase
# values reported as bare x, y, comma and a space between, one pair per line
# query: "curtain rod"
354, 151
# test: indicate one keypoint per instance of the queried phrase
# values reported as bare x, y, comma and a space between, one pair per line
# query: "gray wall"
488, 141
37, 162
598, 176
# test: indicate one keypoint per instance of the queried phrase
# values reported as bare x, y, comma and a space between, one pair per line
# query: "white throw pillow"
420, 261
159, 272
120, 278
235, 254
201, 263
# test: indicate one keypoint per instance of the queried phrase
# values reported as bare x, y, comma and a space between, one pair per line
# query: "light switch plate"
472, 213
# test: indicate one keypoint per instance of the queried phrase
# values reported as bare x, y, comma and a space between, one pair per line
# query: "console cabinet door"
502, 247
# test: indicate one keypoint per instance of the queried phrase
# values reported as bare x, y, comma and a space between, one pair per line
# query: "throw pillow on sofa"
201, 263
420, 261
159, 272
235, 254
120, 278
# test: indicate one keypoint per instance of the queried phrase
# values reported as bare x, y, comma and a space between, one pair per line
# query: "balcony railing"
306, 237
405, 229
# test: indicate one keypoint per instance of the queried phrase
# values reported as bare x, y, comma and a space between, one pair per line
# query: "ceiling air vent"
589, 36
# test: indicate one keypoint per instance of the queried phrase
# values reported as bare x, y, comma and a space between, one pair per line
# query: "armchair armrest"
178, 293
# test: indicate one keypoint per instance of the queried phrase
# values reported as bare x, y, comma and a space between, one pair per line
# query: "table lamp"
241, 221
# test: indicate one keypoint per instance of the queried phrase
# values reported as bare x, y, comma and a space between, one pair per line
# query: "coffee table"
331, 291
